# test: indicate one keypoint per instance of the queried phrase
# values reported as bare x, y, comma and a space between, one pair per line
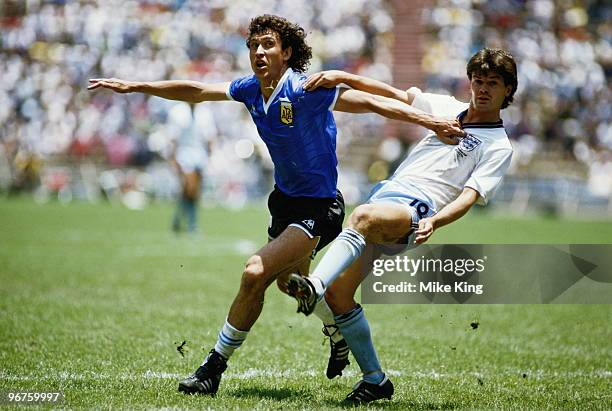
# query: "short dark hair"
497, 61
291, 35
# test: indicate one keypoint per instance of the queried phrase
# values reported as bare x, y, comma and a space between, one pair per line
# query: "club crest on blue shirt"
467, 144
286, 112
309, 223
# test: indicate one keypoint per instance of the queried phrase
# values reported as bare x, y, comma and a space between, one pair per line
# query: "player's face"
488, 91
268, 59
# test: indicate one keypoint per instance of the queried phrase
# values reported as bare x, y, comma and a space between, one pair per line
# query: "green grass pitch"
94, 300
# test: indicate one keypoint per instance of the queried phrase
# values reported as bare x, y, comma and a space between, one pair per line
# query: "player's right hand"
114, 84
327, 79
449, 131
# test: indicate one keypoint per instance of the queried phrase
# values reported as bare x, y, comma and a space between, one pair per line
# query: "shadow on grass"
396, 405
277, 394
304, 396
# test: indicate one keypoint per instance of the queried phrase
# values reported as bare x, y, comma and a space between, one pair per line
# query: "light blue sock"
229, 339
341, 254
191, 214
178, 215
356, 331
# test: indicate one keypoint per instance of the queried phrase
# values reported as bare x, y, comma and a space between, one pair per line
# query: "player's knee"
191, 186
361, 219
338, 300
254, 275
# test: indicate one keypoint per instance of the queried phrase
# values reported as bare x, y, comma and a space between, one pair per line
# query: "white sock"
229, 339
341, 254
326, 315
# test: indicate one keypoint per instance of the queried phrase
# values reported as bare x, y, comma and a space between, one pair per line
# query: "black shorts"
317, 217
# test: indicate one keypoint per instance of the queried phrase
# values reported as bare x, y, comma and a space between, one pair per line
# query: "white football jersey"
437, 173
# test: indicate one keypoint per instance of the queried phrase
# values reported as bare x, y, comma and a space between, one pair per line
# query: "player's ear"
508, 90
287, 53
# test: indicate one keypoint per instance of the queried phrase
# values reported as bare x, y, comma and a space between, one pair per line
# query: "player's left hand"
327, 79
425, 230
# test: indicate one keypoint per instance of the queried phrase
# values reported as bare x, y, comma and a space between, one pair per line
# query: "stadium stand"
53, 130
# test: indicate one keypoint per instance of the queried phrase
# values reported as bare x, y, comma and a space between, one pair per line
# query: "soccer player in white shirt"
435, 185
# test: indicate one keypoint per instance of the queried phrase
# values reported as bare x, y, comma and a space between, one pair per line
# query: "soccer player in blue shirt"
299, 130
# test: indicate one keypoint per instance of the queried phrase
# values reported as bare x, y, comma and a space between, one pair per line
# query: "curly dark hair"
291, 35
498, 61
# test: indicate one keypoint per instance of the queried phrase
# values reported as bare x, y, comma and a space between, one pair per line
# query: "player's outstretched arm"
355, 101
182, 90
332, 78
452, 212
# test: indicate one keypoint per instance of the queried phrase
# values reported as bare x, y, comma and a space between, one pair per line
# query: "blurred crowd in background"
50, 52
561, 121
57, 138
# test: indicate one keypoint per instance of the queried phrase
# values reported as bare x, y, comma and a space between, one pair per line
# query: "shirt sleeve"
437, 104
489, 173
321, 99
237, 88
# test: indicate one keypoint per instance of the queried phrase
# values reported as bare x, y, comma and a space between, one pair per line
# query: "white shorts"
388, 192
190, 159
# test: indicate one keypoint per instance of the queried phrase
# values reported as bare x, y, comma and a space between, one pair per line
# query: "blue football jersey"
299, 130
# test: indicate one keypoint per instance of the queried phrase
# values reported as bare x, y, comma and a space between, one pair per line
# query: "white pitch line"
257, 373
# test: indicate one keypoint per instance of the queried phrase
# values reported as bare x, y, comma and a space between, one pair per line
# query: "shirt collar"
277, 89
490, 124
